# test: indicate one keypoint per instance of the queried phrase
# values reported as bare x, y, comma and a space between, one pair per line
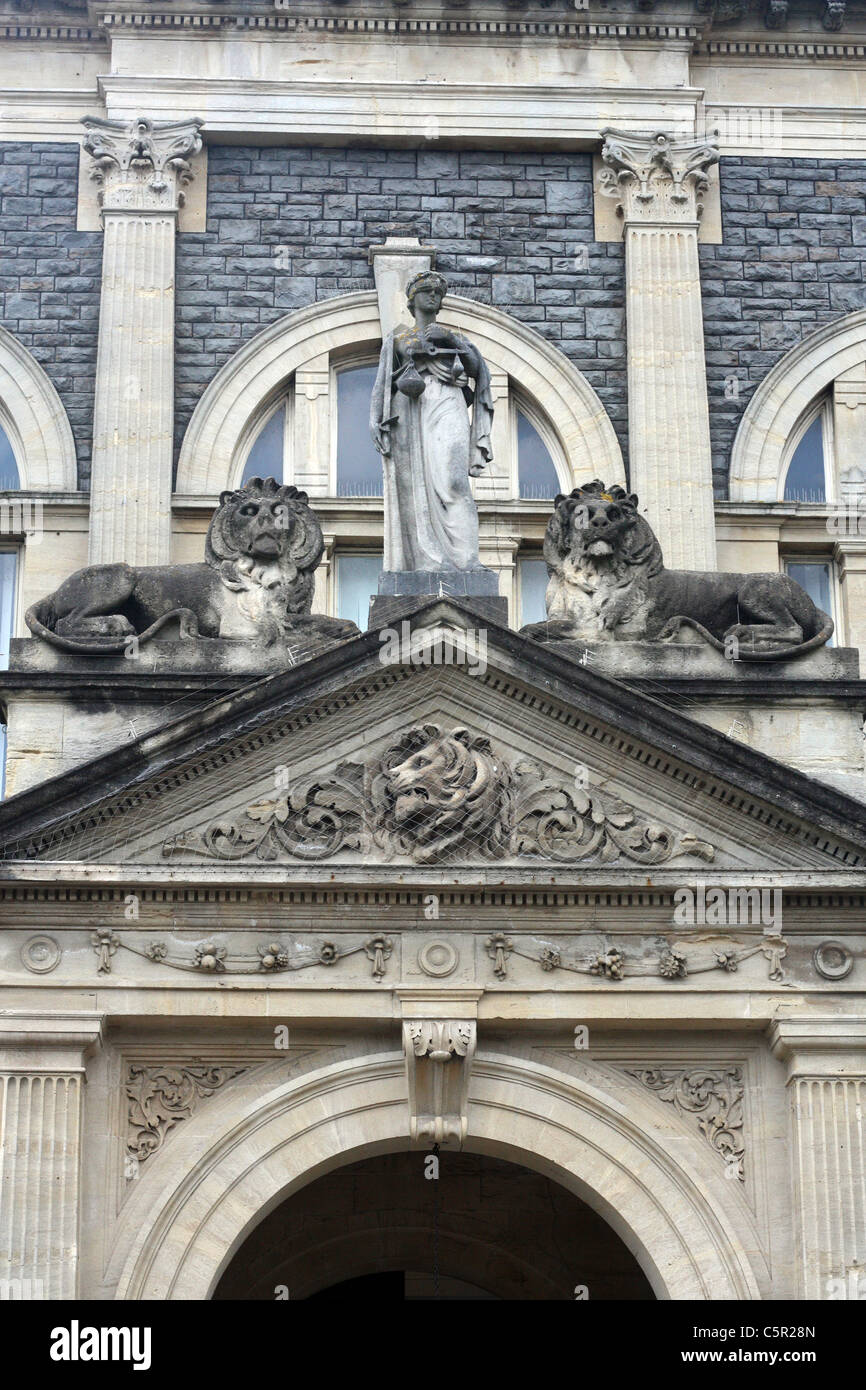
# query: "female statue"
419, 419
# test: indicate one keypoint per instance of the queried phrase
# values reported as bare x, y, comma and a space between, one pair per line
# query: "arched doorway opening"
381, 1229
232, 1164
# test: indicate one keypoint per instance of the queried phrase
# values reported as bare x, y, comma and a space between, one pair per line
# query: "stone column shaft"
142, 169
658, 185
39, 1184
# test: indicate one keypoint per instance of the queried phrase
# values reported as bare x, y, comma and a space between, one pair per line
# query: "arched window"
9, 476
359, 466
270, 454
537, 478
809, 463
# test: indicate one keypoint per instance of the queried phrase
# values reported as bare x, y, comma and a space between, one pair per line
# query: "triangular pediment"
523, 766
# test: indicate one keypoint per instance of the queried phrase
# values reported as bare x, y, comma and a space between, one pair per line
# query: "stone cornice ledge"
464, 110
59, 1042
820, 1047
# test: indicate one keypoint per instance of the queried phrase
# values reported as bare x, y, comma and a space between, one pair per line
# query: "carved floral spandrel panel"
714, 1096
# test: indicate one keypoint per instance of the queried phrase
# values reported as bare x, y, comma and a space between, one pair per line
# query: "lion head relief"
264, 533
435, 792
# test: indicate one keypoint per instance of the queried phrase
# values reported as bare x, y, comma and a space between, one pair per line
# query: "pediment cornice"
535, 701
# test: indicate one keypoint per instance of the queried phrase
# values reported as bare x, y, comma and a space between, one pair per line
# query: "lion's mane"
435, 793
292, 572
598, 597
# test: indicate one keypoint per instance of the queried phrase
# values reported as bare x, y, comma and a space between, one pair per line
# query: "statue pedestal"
400, 590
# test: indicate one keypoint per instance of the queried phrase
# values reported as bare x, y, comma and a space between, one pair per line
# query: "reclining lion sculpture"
608, 582
256, 583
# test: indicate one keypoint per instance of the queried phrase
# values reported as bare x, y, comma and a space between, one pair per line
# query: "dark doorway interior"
382, 1230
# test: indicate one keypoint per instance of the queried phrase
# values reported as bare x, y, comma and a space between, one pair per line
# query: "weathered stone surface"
385, 609
609, 583
263, 546
420, 426
684, 660
443, 583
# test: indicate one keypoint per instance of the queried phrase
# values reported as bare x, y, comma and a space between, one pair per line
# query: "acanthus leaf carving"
714, 1096
311, 823
439, 1056
154, 155
573, 824
656, 177
434, 795
161, 1097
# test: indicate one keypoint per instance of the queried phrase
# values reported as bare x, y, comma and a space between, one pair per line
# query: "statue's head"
426, 290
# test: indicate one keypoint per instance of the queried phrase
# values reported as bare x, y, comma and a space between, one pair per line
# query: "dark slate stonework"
290, 226
792, 259
50, 276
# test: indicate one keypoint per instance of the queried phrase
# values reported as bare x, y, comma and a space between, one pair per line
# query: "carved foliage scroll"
161, 1097
714, 1096
439, 795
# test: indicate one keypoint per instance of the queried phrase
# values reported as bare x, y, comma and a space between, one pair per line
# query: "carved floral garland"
271, 957
274, 957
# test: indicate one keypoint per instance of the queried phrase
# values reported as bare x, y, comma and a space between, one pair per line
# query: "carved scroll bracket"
439, 1052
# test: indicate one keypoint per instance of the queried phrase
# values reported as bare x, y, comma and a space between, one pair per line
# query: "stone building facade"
238, 1007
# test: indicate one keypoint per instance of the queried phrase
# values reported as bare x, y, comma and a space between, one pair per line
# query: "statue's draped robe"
431, 522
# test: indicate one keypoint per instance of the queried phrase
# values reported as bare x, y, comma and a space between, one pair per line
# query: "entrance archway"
384, 1229
236, 1161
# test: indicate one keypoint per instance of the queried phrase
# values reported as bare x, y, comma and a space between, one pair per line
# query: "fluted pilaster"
142, 169
826, 1062
41, 1099
658, 186
39, 1184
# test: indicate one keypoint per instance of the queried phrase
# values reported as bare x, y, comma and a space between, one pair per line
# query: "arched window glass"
359, 466
266, 458
9, 477
537, 477
805, 480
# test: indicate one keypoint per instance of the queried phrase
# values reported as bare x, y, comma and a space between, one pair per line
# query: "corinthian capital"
655, 178
140, 165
